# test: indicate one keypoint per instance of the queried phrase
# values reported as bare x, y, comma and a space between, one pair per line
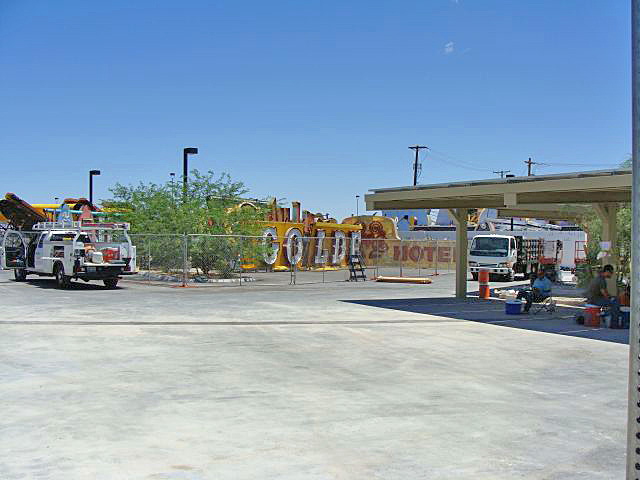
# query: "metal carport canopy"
539, 193
602, 186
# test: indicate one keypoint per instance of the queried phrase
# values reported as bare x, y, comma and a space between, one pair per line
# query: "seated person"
597, 293
541, 290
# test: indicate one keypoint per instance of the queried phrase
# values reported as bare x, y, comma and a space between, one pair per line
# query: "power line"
471, 166
456, 162
554, 164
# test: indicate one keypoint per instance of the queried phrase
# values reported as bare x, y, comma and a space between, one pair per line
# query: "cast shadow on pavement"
50, 284
492, 311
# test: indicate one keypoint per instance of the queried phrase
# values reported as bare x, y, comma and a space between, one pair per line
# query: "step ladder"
356, 269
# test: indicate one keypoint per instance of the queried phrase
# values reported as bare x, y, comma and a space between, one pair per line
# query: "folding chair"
548, 305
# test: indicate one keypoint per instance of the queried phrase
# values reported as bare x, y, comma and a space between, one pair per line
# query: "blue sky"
314, 101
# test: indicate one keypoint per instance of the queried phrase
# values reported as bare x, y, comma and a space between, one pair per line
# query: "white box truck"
505, 256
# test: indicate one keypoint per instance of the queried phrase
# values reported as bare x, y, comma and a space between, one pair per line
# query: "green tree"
591, 223
210, 206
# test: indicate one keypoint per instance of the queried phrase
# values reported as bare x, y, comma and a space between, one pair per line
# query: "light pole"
357, 202
173, 185
185, 166
91, 174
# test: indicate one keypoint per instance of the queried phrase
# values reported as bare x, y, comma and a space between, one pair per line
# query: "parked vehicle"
505, 256
70, 250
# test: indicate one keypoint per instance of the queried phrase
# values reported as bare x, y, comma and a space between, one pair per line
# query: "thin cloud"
448, 48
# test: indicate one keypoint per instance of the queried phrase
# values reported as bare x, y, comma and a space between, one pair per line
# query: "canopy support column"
608, 214
459, 216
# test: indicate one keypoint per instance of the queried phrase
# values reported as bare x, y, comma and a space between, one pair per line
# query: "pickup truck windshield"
490, 247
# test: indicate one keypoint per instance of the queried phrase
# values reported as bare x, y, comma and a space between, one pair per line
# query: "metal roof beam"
441, 203
568, 197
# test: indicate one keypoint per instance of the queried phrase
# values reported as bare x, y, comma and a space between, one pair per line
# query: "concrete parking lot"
328, 381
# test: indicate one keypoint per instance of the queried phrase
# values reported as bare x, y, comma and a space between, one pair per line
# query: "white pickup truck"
70, 250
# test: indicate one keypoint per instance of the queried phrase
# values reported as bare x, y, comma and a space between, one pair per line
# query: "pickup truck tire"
20, 274
110, 283
62, 281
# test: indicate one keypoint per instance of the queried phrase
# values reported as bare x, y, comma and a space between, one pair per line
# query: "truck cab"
496, 253
70, 251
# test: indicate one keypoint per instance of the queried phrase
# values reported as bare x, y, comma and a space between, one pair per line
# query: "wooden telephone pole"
529, 163
416, 163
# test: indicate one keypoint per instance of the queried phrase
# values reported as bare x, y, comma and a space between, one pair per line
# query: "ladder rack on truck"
73, 225
529, 251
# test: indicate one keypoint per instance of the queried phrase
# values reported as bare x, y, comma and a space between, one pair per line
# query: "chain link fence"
233, 260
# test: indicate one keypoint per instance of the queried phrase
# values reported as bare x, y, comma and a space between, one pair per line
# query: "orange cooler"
592, 316
110, 254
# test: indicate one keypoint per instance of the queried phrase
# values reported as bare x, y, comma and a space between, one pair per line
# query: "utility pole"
416, 164
529, 163
501, 172
633, 410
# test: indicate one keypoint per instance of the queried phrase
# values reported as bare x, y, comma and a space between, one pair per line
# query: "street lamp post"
357, 206
173, 185
185, 166
91, 175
